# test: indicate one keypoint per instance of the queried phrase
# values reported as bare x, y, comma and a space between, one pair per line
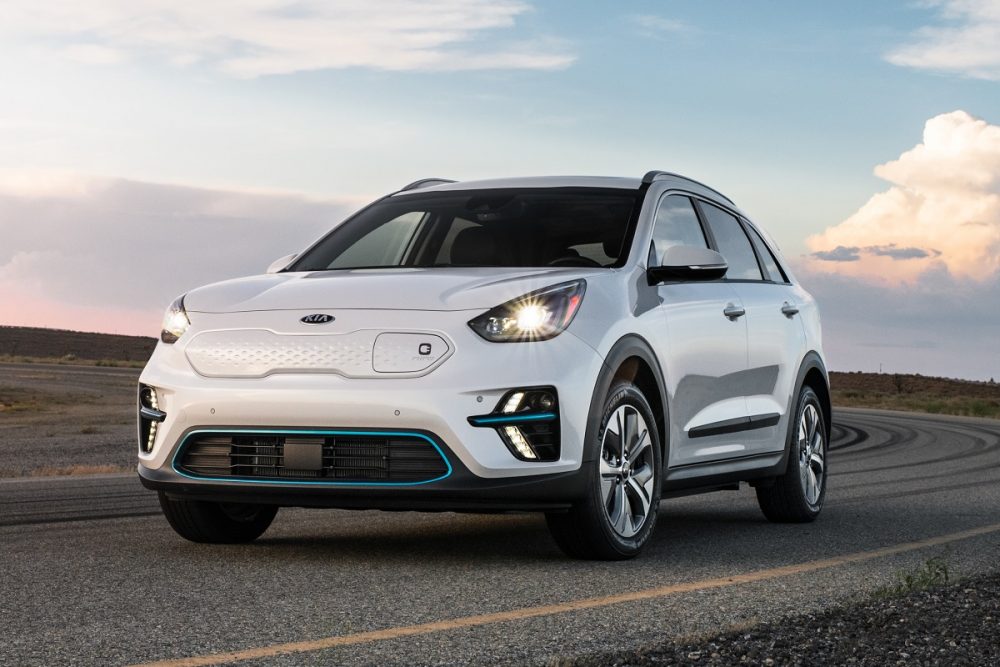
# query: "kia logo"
317, 318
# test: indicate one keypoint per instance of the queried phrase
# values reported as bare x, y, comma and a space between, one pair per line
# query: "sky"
151, 146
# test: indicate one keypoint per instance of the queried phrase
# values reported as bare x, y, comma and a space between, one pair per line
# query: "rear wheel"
217, 523
797, 495
616, 519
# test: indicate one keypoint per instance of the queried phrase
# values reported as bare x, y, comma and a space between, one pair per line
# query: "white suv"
577, 346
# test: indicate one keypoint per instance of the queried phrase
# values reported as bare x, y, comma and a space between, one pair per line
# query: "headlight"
175, 322
536, 316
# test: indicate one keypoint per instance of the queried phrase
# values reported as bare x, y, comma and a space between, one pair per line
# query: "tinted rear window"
774, 270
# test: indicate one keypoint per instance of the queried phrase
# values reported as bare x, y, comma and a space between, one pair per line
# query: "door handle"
734, 312
789, 310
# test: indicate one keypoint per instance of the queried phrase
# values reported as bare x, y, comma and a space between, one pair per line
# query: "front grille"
396, 458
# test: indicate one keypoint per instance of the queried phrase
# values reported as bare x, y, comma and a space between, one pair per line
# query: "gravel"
957, 624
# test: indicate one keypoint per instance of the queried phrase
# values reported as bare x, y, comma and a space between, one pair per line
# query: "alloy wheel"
627, 471
811, 454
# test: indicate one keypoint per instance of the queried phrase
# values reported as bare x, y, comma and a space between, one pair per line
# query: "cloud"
942, 211
853, 254
937, 326
839, 254
895, 252
92, 54
652, 25
969, 44
906, 282
109, 254
261, 37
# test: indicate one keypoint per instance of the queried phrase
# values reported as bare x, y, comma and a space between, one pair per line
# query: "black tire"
217, 523
787, 499
586, 530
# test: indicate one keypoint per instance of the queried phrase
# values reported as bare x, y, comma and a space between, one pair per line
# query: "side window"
770, 261
676, 224
383, 246
733, 244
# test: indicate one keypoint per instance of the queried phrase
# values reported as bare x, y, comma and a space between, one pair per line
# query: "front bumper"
460, 491
477, 374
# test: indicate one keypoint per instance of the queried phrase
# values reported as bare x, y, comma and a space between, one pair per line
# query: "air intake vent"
335, 457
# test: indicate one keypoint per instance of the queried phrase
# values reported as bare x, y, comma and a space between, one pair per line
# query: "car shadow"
482, 539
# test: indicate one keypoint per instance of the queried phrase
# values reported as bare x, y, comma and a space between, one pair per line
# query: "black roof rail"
651, 176
425, 182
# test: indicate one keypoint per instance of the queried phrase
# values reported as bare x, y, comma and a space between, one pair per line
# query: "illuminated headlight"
175, 322
536, 316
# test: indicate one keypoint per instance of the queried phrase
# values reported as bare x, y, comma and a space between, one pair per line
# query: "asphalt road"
91, 574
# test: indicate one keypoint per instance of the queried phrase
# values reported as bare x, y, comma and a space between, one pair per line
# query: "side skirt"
724, 474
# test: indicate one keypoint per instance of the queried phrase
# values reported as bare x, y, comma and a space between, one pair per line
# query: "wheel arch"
630, 358
813, 373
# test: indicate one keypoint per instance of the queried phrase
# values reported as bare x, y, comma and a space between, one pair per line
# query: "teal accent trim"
512, 419
290, 482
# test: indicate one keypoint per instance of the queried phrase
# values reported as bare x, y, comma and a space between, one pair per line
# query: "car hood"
389, 289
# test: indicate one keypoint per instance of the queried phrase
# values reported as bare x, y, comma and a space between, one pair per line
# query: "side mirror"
685, 262
278, 264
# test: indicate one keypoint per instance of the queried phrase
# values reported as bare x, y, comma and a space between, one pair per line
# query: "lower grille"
345, 457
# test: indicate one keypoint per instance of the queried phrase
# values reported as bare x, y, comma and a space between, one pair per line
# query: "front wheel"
217, 523
797, 495
617, 517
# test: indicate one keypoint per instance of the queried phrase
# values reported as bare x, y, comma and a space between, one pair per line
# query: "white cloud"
910, 279
249, 38
968, 45
653, 25
92, 54
85, 252
942, 211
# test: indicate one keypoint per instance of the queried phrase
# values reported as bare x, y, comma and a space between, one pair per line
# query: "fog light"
527, 421
152, 437
545, 401
150, 417
520, 444
149, 398
513, 403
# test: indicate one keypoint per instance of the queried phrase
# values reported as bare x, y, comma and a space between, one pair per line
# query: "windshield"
534, 227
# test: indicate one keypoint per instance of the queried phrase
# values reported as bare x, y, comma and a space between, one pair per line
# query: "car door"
703, 350
775, 335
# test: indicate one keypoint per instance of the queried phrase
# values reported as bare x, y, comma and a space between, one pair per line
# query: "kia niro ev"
577, 346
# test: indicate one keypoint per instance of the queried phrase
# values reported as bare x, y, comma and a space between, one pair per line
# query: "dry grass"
916, 393
12, 400
20, 399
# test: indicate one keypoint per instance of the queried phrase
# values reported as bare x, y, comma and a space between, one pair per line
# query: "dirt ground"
58, 420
